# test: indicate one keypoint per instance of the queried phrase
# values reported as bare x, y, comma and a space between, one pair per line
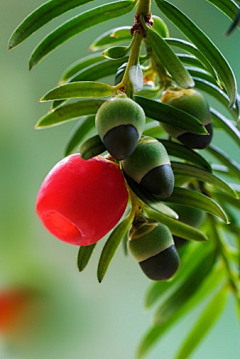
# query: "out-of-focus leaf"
92, 147
116, 52
98, 70
204, 323
41, 16
78, 24
79, 90
84, 254
69, 111
169, 59
208, 280
233, 166
190, 60
111, 37
204, 176
178, 150
111, 246
80, 65
234, 24
227, 125
204, 44
192, 49
170, 115
218, 94
226, 199
79, 132
197, 200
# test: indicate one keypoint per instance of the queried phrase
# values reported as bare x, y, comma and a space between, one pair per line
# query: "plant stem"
144, 7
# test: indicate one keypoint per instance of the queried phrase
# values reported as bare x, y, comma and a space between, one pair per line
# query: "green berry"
120, 122
152, 245
150, 167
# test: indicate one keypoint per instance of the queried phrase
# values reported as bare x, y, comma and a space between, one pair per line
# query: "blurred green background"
76, 317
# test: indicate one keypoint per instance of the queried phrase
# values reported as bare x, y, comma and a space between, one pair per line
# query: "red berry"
80, 201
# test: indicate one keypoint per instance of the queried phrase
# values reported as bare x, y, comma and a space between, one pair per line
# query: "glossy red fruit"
80, 201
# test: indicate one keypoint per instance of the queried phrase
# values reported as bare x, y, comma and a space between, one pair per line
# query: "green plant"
146, 68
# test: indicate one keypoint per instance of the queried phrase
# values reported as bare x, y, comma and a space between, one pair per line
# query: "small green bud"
194, 103
151, 244
150, 167
120, 122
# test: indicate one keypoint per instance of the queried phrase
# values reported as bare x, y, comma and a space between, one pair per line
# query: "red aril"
80, 201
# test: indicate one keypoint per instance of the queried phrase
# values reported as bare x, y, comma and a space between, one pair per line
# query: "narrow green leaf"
170, 115
41, 16
116, 52
201, 175
226, 199
227, 125
79, 90
178, 228
190, 60
233, 166
99, 70
111, 246
178, 150
151, 200
185, 290
218, 94
204, 44
197, 200
69, 112
79, 133
192, 49
92, 147
111, 37
84, 254
204, 323
229, 8
78, 24
80, 65
169, 59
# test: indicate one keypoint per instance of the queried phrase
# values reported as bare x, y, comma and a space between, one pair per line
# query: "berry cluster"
80, 200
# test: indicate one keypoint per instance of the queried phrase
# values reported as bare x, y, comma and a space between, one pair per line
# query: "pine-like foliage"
146, 61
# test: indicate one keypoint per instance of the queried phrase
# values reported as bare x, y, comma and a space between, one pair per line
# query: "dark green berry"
120, 122
150, 167
195, 104
152, 245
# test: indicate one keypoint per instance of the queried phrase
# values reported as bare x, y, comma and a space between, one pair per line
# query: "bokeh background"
72, 316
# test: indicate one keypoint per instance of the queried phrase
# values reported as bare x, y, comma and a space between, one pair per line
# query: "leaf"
192, 49
41, 16
227, 125
190, 60
80, 65
197, 200
180, 151
204, 323
79, 90
111, 37
233, 166
168, 58
69, 112
79, 132
116, 52
78, 24
204, 44
201, 175
200, 290
234, 24
111, 246
98, 70
92, 147
84, 254
170, 115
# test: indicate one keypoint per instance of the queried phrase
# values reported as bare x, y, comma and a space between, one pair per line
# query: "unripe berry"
151, 244
192, 216
195, 104
120, 123
150, 167
80, 201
